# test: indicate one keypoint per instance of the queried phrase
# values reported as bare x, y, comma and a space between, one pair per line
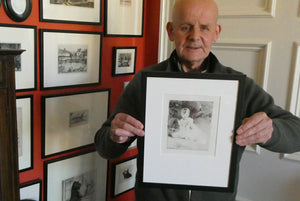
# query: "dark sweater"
285, 137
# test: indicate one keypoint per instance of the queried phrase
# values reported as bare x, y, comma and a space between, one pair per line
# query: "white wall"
262, 39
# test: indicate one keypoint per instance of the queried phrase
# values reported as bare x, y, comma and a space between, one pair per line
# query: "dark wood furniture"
9, 175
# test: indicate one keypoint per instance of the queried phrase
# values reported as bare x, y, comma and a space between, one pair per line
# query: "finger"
252, 124
259, 137
119, 138
130, 120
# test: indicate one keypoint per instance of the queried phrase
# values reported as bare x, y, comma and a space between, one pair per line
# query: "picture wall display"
124, 18
17, 10
71, 11
31, 191
124, 61
73, 118
21, 37
24, 108
81, 176
124, 176
70, 58
192, 126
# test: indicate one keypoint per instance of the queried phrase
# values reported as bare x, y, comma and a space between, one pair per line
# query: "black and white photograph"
81, 187
79, 118
124, 176
190, 125
73, 118
124, 61
81, 176
21, 37
25, 131
70, 58
13, 46
31, 191
80, 3
71, 11
124, 18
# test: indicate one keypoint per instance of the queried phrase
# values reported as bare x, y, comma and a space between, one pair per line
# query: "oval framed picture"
18, 10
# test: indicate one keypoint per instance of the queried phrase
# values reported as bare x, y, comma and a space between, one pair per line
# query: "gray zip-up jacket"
285, 137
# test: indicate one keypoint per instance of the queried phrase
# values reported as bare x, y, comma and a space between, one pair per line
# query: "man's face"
194, 29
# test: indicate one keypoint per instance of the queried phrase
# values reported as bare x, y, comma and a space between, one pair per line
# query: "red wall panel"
147, 51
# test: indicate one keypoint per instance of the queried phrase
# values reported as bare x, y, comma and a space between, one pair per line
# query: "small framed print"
72, 118
18, 10
21, 37
124, 61
124, 176
124, 18
70, 58
25, 131
192, 125
31, 191
76, 177
71, 11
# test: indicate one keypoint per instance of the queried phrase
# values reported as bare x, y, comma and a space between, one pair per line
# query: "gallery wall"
146, 54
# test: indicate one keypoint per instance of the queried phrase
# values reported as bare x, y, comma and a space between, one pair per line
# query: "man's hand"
124, 126
256, 129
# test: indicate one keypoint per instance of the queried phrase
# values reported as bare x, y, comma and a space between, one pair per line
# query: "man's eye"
204, 28
185, 28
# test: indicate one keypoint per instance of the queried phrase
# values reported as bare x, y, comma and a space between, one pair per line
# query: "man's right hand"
124, 126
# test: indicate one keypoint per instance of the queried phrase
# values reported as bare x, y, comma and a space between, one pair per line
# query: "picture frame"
74, 12
70, 58
22, 37
193, 125
31, 190
124, 61
124, 176
24, 109
124, 18
67, 115
18, 10
85, 173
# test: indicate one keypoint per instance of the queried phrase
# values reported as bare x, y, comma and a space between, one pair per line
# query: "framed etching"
71, 11
81, 176
124, 18
124, 61
18, 10
24, 108
191, 120
124, 176
21, 37
72, 118
31, 191
70, 58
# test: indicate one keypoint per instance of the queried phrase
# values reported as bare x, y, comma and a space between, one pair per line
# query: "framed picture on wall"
31, 190
24, 108
70, 58
124, 18
191, 125
124, 61
72, 118
124, 176
84, 174
21, 37
18, 11
71, 11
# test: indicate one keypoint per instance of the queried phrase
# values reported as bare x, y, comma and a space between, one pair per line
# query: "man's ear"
170, 30
218, 31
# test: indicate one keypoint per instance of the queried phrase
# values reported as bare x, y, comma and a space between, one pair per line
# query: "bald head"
203, 6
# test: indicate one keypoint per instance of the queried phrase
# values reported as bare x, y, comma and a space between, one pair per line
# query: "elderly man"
194, 29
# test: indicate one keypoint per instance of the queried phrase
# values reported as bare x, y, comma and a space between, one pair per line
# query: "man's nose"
195, 34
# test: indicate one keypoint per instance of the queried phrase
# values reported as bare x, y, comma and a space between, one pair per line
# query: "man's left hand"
256, 129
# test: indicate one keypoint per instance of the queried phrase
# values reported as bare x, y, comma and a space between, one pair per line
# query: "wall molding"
264, 49
268, 10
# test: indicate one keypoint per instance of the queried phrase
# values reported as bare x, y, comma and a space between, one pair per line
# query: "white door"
262, 39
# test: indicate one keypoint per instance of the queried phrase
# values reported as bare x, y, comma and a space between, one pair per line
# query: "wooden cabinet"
9, 175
